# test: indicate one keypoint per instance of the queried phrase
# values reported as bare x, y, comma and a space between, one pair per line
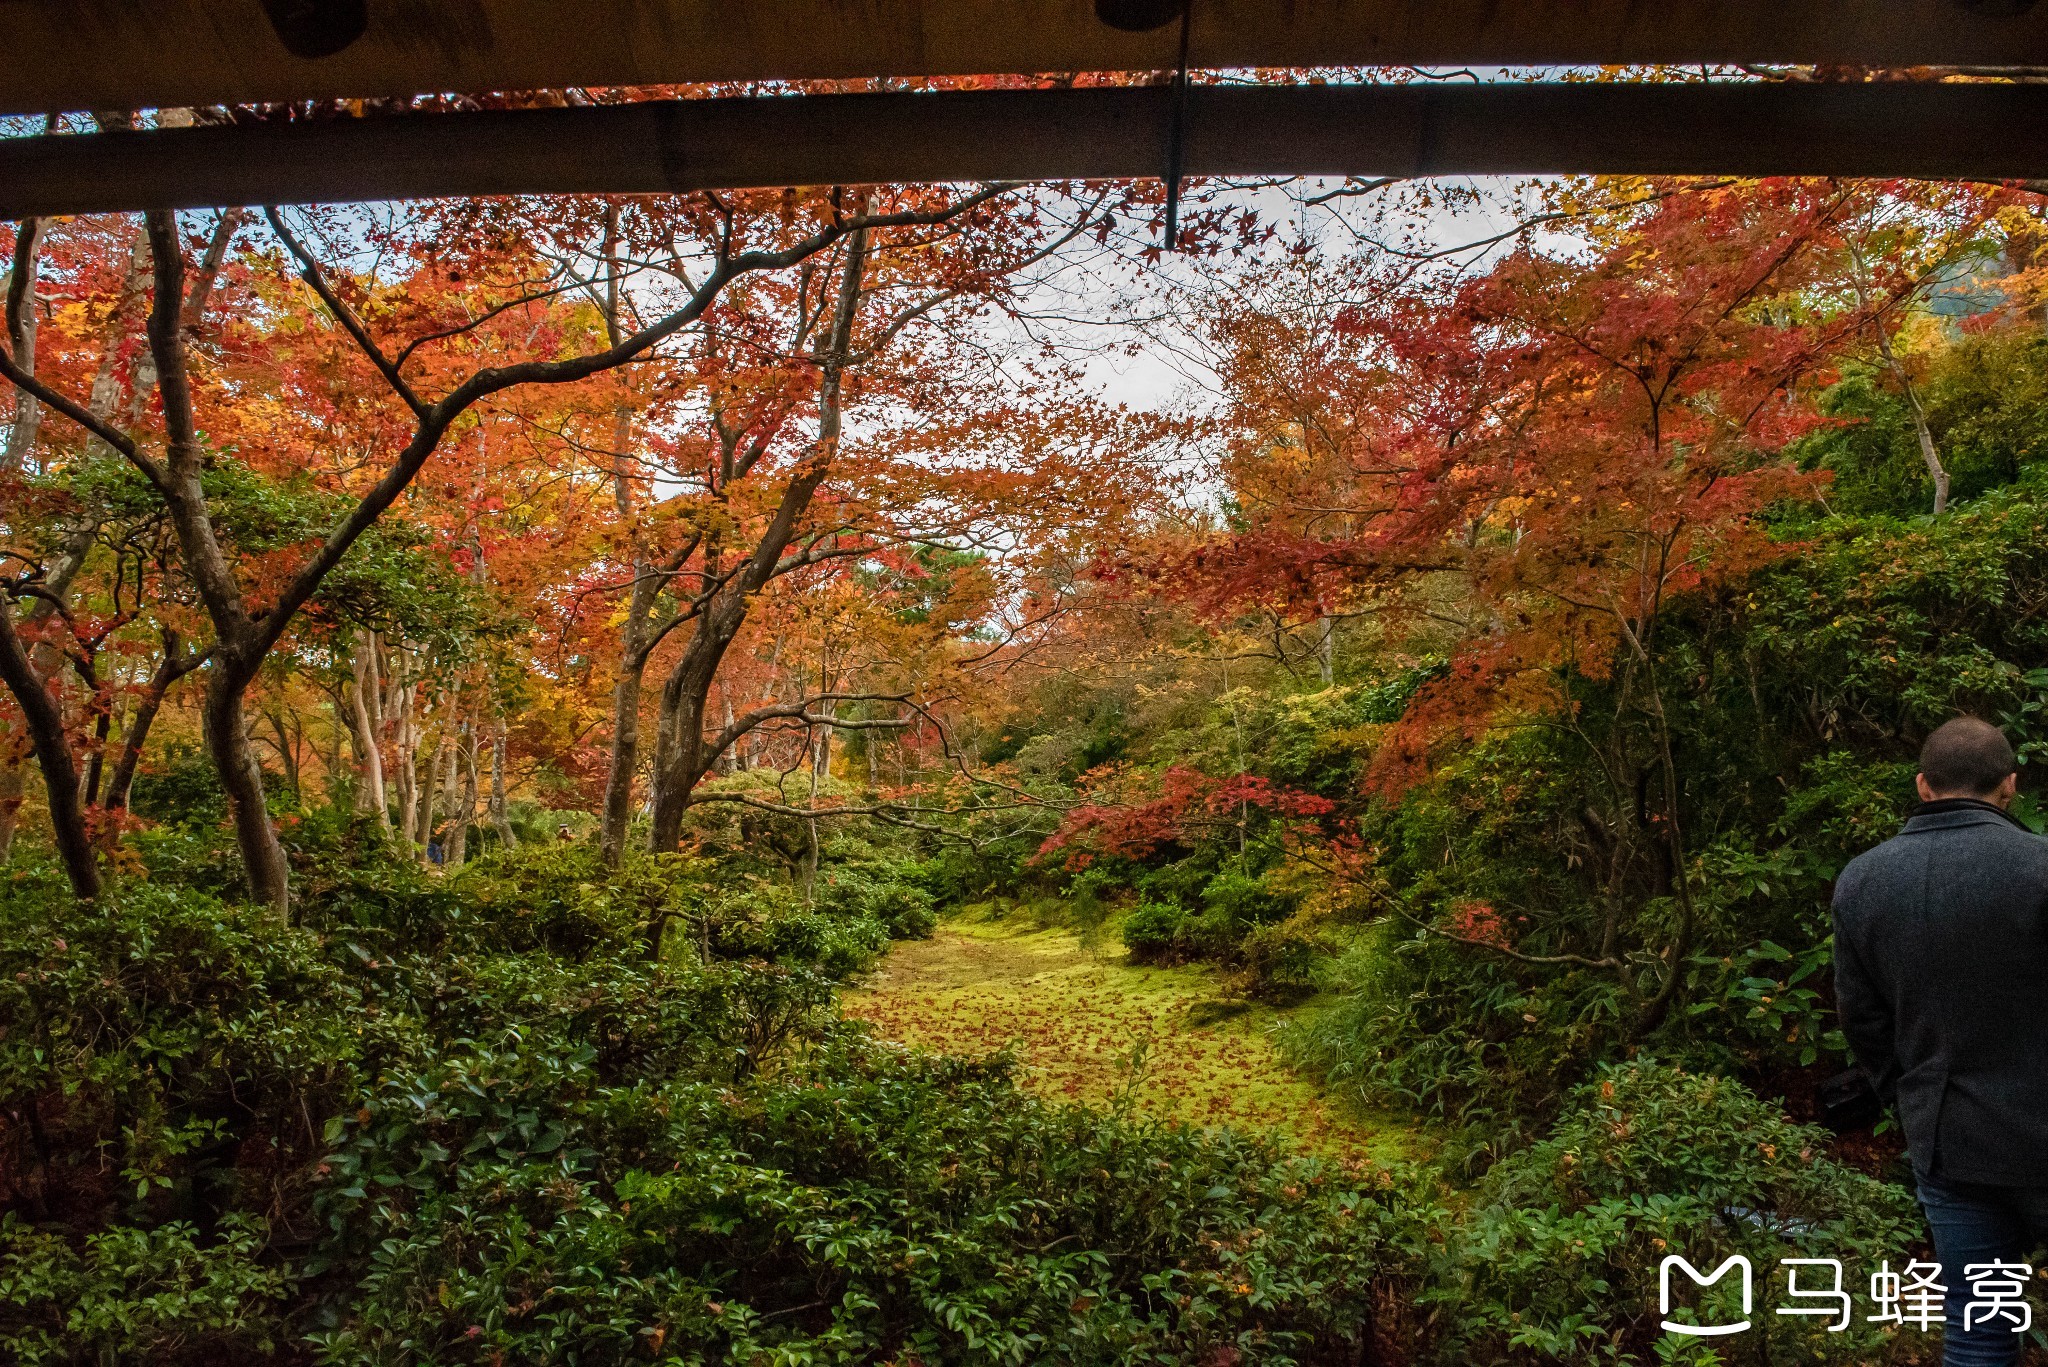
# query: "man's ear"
2008, 790
1925, 789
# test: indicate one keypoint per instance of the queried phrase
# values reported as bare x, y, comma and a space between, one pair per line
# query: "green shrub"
474, 1119
163, 1296
1558, 1259
836, 946
768, 922
905, 910
1485, 1048
1240, 901
1152, 931
868, 1206
138, 1037
558, 896
1282, 963
179, 787
1233, 905
190, 855
891, 894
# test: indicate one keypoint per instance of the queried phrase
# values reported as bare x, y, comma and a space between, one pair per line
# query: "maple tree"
734, 476
1577, 444
60, 523
436, 380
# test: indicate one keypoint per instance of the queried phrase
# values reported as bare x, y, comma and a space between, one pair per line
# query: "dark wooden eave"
1934, 131
100, 54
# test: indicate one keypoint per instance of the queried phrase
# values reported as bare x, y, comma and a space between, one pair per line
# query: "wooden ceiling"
1976, 131
68, 55
99, 54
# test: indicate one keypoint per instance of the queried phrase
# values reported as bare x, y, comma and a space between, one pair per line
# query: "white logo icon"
1701, 1330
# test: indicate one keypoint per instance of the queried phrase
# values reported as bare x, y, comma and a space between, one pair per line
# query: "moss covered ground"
1088, 1026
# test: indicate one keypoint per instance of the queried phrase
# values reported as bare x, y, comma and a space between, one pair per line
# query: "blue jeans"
1977, 1224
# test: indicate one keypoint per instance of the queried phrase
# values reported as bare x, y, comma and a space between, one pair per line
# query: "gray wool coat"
1941, 979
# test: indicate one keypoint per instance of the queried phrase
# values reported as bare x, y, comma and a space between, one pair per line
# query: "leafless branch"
1610, 964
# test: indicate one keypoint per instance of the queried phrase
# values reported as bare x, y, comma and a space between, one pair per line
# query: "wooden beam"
1923, 130
100, 54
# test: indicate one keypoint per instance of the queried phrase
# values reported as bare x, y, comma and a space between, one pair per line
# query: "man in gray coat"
1941, 977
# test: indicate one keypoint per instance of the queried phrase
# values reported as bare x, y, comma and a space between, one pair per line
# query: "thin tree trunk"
340, 744
500, 821
367, 726
458, 834
821, 767
13, 789
44, 660
431, 783
625, 749
287, 748
227, 742
48, 660
114, 391
1930, 455
645, 592
679, 763
96, 760
174, 666
405, 739
22, 320
204, 279
452, 768
440, 776
45, 722
430, 791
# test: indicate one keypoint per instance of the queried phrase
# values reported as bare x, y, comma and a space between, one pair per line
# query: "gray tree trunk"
500, 822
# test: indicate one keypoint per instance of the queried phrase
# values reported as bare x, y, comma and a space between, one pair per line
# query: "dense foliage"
483, 1120
610, 626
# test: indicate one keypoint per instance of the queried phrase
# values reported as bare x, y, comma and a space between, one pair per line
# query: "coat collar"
1948, 813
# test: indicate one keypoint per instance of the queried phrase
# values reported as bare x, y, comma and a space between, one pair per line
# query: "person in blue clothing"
1941, 980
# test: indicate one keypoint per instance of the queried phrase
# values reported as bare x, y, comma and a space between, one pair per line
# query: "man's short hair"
1967, 755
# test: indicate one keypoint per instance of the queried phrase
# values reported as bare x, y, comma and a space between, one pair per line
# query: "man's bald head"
1967, 757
